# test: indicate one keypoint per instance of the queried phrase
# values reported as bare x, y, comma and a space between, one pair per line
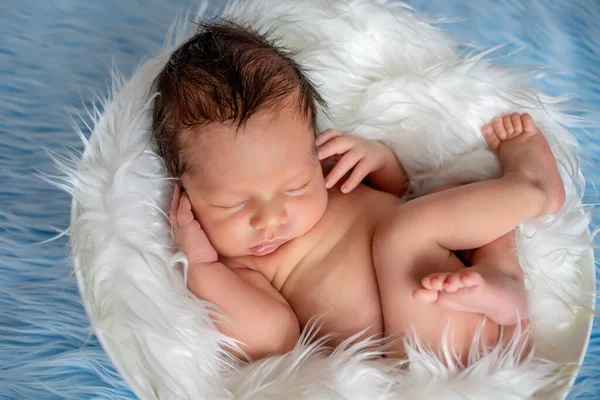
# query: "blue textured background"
55, 54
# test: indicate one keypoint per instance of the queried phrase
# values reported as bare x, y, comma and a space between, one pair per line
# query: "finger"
516, 121
174, 204
184, 213
508, 126
337, 145
185, 202
340, 169
361, 170
327, 135
499, 128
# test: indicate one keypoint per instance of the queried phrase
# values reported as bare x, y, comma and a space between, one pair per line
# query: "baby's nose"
269, 217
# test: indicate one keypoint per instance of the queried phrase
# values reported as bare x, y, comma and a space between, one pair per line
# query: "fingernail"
344, 189
487, 130
327, 183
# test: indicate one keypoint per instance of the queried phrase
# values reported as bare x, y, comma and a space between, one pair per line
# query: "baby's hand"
187, 232
365, 156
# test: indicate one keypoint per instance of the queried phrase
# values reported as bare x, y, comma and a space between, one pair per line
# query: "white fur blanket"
388, 74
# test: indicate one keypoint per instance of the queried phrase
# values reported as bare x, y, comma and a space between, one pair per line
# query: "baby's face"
257, 189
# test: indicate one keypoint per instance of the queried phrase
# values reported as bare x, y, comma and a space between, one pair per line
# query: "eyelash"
295, 191
236, 207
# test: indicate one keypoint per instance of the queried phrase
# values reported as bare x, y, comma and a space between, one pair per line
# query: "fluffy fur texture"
388, 74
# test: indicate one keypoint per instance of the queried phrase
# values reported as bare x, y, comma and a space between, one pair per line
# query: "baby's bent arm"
259, 316
392, 178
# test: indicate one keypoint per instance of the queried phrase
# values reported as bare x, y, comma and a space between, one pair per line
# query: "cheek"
308, 211
230, 227
224, 233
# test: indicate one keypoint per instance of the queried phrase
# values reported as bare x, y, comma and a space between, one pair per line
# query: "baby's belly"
341, 286
343, 293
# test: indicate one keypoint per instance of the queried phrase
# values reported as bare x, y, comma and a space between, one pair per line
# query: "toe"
490, 137
498, 125
516, 122
508, 126
425, 295
470, 278
437, 281
433, 282
453, 283
426, 282
527, 122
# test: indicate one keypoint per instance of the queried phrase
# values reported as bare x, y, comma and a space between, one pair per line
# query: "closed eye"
297, 191
236, 207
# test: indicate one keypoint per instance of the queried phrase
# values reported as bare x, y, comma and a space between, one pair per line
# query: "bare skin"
495, 273
368, 261
466, 217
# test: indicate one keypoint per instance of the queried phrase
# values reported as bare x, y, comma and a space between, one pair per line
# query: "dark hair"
225, 72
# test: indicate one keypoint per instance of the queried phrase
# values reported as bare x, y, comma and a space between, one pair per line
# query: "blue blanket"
54, 55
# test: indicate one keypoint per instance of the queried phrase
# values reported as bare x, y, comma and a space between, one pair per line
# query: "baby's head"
235, 121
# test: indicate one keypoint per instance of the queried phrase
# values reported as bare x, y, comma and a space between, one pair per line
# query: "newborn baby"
273, 241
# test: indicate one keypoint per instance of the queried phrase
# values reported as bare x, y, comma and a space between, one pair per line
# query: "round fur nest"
389, 74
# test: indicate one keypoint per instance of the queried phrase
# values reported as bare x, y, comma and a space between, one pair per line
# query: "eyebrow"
298, 175
222, 191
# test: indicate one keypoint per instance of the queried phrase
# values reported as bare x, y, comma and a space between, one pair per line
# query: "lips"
267, 247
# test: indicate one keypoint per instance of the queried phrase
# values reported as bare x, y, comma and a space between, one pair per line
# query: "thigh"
402, 259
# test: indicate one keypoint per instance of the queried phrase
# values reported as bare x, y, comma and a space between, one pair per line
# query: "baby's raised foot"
500, 297
523, 150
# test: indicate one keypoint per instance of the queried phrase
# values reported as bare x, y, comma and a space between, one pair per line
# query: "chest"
329, 271
339, 288
338, 281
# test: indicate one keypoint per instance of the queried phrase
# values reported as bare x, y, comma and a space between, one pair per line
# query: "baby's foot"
498, 296
523, 150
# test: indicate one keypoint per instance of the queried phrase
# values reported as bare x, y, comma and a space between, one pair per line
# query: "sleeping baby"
273, 238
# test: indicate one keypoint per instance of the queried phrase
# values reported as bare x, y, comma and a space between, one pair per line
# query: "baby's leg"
493, 285
474, 215
417, 240
498, 292
495, 273
402, 258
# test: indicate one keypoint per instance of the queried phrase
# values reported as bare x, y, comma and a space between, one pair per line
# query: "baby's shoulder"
362, 199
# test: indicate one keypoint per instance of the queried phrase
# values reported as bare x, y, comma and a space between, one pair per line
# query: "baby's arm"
368, 159
258, 315
392, 177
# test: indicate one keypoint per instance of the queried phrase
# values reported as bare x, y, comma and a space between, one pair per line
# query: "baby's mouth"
267, 247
